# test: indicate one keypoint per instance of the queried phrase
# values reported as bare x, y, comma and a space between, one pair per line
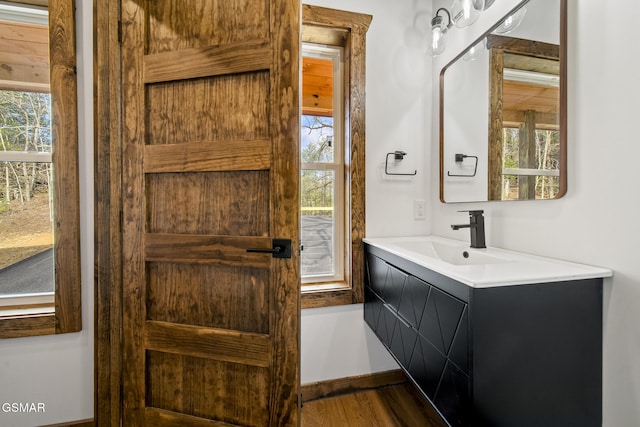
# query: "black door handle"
281, 248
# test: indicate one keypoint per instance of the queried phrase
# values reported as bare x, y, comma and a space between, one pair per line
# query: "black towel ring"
459, 159
398, 155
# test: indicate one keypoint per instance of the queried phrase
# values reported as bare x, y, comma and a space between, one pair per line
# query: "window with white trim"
323, 202
26, 172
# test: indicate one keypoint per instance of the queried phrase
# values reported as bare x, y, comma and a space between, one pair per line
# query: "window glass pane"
25, 121
547, 157
26, 247
318, 225
317, 139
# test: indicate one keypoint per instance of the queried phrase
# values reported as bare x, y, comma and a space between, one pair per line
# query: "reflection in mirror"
503, 101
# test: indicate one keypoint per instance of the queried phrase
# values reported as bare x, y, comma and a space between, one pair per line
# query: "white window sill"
12, 306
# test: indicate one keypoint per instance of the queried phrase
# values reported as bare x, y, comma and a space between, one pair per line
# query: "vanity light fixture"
511, 22
466, 12
439, 31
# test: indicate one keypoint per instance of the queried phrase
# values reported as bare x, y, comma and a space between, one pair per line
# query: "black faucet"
476, 226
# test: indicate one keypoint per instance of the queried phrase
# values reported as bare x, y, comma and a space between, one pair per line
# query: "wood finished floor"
392, 406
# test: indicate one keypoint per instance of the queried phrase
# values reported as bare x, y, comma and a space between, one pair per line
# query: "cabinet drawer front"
426, 366
386, 324
403, 342
440, 319
454, 396
372, 309
385, 280
459, 352
414, 297
377, 274
394, 287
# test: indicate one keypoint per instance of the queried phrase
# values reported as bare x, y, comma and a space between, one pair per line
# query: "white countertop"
484, 268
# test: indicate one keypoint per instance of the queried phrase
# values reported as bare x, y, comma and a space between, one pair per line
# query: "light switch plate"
418, 209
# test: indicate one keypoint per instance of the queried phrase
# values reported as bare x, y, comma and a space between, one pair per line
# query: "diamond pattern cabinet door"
377, 269
372, 308
426, 366
386, 324
453, 396
440, 319
393, 289
414, 298
403, 342
459, 352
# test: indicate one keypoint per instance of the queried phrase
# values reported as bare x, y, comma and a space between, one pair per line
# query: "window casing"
347, 30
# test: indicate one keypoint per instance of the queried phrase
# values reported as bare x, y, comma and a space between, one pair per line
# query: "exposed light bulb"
438, 35
438, 41
466, 12
511, 22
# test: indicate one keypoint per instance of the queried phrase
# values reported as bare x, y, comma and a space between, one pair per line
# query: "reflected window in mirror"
524, 111
39, 194
503, 99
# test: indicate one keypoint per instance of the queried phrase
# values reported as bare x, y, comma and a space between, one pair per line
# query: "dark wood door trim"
108, 208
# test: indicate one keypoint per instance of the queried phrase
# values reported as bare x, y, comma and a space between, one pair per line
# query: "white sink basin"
454, 252
486, 267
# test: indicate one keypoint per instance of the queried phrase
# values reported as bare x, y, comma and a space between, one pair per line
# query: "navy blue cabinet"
525, 355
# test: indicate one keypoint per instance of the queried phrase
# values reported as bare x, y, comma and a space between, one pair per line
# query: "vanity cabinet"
522, 355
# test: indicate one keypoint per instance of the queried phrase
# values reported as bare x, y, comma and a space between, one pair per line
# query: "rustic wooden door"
210, 169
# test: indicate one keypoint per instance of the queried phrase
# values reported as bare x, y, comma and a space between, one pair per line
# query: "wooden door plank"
207, 61
208, 156
163, 418
284, 125
206, 249
212, 213
133, 204
182, 24
219, 344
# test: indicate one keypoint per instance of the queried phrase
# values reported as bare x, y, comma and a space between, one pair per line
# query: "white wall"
58, 370
466, 95
335, 341
596, 222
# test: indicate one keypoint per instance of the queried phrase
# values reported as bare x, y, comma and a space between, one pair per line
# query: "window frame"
347, 30
334, 54
67, 313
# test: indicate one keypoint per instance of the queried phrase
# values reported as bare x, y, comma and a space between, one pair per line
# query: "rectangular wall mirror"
503, 110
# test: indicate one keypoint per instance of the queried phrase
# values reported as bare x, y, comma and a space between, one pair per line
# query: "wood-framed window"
339, 35
324, 254
54, 159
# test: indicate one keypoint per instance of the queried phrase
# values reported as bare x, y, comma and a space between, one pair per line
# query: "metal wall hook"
459, 159
398, 155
